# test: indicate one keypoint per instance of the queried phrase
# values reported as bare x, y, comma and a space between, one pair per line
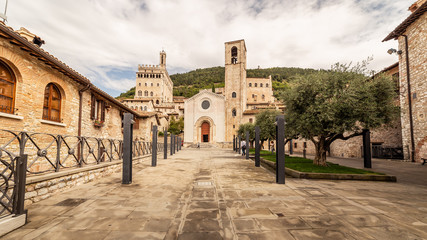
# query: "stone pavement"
216, 194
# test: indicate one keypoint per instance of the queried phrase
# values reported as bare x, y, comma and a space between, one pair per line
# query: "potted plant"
98, 123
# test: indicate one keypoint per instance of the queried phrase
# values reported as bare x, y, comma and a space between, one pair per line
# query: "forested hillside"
188, 84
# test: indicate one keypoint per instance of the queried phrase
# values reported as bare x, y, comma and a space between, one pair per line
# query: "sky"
105, 40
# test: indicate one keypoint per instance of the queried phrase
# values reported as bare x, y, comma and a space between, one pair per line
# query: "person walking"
243, 146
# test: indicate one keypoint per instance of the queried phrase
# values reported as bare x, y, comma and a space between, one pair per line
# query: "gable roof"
205, 91
407, 22
43, 56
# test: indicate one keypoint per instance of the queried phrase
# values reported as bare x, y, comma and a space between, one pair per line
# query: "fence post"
257, 147
20, 182
58, 153
154, 152
127, 148
280, 149
367, 157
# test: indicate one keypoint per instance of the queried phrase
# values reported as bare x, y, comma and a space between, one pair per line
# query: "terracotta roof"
37, 52
251, 112
407, 22
390, 67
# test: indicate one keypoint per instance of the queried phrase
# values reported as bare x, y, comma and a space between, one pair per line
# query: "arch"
233, 112
141, 108
7, 88
198, 129
146, 93
151, 93
152, 84
157, 101
233, 95
263, 97
52, 103
146, 84
234, 55
145, 108
266, 85
256, 85
260, 85
140, 93
250, 84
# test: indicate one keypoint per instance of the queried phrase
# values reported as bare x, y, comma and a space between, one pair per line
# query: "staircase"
203, 145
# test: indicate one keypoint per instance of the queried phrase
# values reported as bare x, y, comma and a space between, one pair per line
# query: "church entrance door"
205, 131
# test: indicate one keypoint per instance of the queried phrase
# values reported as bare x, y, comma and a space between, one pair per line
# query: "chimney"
31, 37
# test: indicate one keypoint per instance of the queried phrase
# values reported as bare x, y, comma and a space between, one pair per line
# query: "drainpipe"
79, 129
408, 80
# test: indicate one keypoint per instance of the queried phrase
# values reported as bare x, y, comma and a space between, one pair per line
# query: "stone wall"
417, 45
40, 187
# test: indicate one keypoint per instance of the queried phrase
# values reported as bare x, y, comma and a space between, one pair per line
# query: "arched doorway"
205, 131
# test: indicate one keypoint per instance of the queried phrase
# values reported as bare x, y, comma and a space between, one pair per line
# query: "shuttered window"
52, 103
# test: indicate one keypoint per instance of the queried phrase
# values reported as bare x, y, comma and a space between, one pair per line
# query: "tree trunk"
321, 147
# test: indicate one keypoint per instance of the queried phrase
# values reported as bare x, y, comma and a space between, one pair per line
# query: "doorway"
205, 131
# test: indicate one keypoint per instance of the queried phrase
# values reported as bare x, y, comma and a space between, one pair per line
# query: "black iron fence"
387, 152
45, 152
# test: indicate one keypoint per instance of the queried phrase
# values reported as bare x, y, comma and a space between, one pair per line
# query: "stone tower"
235, 86
163, 59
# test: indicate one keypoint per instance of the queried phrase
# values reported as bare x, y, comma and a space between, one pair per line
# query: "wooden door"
205, 131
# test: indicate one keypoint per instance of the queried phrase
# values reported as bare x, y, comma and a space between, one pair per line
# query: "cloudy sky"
105, 40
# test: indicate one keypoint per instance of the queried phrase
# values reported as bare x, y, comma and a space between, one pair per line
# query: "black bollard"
247, 145
280, 149
367, 157
171, 144
127, 148
304, 152
165, 147
154, 147
257, 147
234, 143
291, 147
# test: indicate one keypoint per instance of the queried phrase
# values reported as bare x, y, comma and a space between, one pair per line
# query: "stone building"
411, 35
39, 93
154, 93
215, 117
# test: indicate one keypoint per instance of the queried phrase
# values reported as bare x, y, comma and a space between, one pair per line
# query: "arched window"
253, 95
266, 85
250, 84
158, 84
140, 84
260, 85
146, 93
233, 94
263, 97
141, 108
7, 89
256, 84
157, 101
146, 84
151, 84
233, 112
52, 103
145, 108
151, 93
140, 93
234, 55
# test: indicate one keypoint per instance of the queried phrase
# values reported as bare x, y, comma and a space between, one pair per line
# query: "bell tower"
235, 86
163, 59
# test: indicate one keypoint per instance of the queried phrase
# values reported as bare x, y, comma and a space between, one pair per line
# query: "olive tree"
337, 104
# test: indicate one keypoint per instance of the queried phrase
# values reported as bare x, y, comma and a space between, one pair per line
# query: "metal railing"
46, 152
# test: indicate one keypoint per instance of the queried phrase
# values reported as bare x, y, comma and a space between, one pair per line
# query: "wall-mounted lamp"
392, 50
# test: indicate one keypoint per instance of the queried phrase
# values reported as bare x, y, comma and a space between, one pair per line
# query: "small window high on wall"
233, 112
97, 109
52, 103
7, 89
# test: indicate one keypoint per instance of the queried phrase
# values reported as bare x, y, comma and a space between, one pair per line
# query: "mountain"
189, 84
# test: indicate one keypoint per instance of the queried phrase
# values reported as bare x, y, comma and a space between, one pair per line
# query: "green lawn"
306, 165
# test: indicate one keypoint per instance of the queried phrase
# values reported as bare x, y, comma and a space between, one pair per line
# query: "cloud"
106, 40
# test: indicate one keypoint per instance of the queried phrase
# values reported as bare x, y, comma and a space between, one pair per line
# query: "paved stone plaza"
216, 194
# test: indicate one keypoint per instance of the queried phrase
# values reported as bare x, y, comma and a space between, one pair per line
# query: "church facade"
215, 117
